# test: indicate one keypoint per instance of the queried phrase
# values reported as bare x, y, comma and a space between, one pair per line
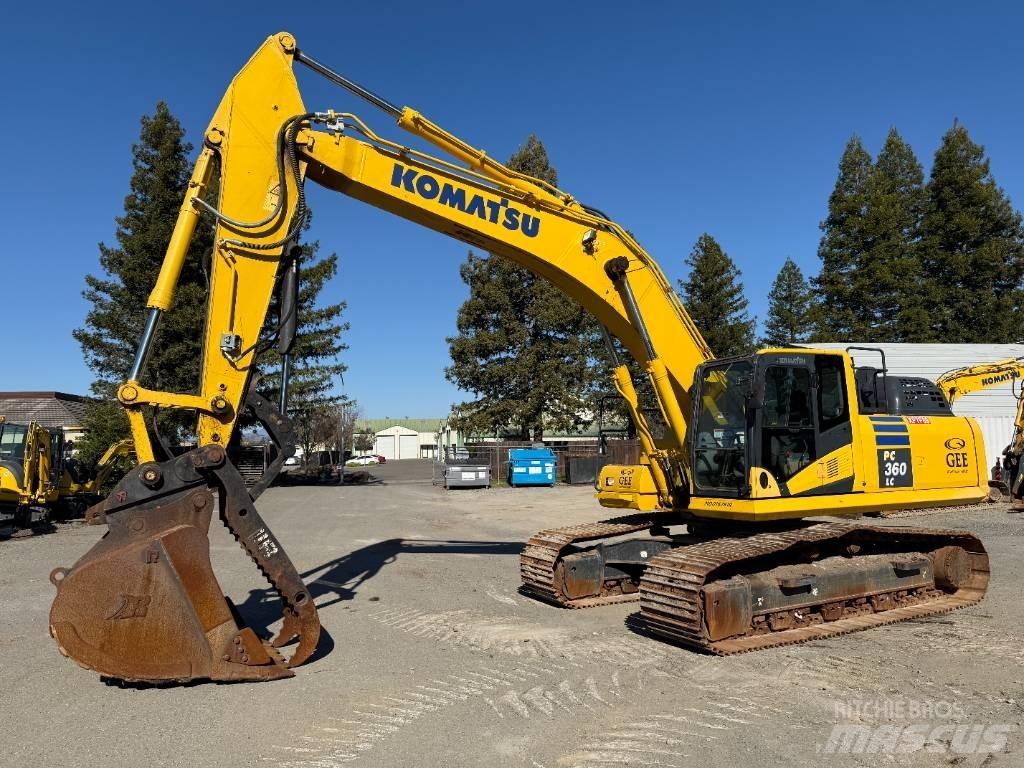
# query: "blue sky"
676, 118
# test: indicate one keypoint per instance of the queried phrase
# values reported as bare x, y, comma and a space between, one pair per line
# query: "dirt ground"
432, 658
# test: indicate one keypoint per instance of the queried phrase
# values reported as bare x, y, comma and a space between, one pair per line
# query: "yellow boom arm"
972, 378
261, 135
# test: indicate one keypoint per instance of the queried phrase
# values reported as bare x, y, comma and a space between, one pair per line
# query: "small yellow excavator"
714, 542
974, 378
39, 481
29, 473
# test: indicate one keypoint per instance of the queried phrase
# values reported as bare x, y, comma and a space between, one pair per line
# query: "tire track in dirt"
510, 635
538, 692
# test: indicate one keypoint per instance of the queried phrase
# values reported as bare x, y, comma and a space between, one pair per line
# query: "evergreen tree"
113, 325
713, 295
888, 280
842, 244
523, 349
973, 247
789, 318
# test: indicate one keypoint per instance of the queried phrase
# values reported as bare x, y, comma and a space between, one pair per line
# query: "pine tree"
973, 247
842, 244
888, 280
789, 318
113, 325
523, 349
713, 295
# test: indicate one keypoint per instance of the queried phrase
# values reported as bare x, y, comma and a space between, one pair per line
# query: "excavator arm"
144, 604
267, 144
973, 378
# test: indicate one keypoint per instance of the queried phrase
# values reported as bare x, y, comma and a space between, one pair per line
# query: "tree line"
902, 259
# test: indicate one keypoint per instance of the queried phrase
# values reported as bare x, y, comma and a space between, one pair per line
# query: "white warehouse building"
397, 439
994, 409
397, 443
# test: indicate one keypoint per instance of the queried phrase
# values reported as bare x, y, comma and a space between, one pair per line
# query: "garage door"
409, 447
385, 446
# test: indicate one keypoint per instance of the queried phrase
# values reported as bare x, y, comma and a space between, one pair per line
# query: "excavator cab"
12, 468
776, 411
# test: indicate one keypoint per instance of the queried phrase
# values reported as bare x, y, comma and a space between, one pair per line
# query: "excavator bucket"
144, 604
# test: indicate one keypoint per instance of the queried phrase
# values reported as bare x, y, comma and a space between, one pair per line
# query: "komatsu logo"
1008, 376
494, 211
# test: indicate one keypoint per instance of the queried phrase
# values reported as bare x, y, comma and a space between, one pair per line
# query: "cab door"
805, 437
786, 443
834, 428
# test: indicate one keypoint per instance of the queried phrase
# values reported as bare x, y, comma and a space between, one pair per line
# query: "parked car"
382, 459
363, 460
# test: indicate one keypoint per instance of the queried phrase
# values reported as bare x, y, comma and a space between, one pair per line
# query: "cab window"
832, 404
12, 442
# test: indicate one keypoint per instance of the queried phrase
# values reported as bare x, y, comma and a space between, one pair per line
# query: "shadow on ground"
338, 580
329, 477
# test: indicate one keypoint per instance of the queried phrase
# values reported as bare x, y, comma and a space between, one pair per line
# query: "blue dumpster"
531, 466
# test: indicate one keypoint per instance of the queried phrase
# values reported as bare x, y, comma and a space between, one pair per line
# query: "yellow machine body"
781, 435
889, 462
35, 477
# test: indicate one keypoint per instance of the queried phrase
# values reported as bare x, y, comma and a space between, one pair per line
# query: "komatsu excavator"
974, 378
754, 445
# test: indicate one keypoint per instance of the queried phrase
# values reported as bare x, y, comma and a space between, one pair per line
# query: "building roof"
396, 430
51, 409
429, 426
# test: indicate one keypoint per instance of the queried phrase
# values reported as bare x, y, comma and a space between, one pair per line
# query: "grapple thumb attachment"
144, 604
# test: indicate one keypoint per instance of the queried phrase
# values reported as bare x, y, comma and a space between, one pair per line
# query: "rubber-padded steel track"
670, 590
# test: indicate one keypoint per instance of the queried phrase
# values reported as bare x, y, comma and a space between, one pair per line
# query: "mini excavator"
40, 480
713, 538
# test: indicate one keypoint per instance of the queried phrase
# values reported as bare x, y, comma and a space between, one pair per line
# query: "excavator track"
700, 594
674, 589
540, 562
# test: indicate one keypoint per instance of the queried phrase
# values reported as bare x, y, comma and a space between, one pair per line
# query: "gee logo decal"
494, 211
956, 459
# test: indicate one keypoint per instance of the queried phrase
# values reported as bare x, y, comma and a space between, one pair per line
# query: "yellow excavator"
29, 473
714, 541
974, 378
40, 480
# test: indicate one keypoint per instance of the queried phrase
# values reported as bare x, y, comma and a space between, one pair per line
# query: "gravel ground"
432, 658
